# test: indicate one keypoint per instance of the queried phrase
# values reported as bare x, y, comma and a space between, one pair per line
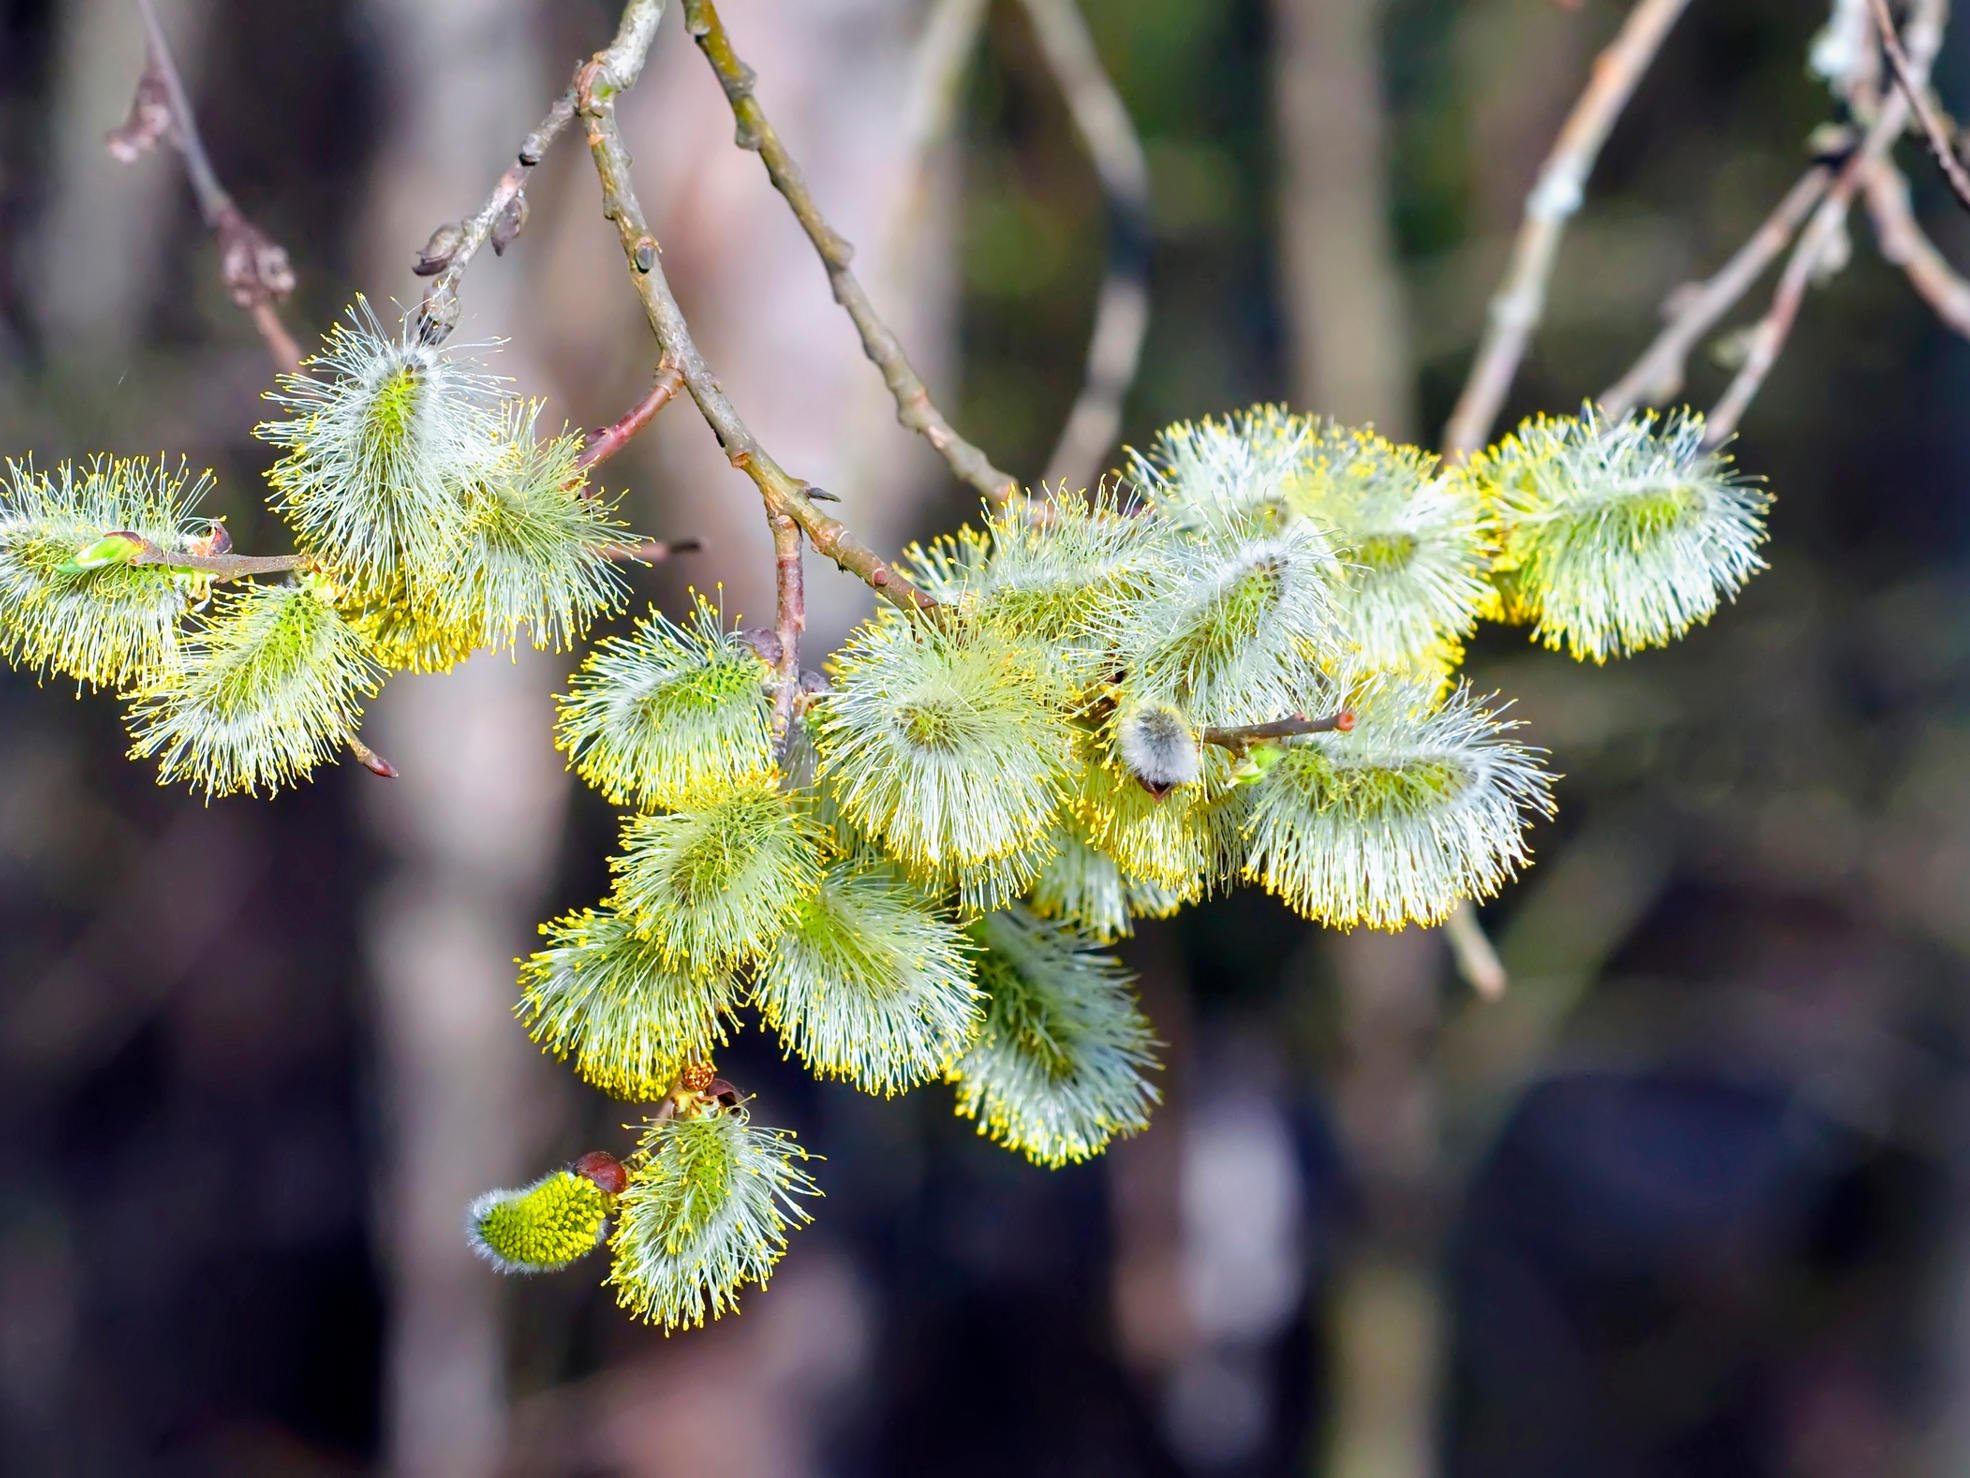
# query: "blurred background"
1693, 1198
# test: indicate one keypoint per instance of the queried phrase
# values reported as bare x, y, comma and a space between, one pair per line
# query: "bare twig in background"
1695, 308
782, 493
914, 407
612, 438
1121, 314
1477, 958
1824, 233
1916, 89
1519, 303
1904, 244
937, 69
1279, 728
453, 245
790, 616
256, 269
1350, 338
654, 551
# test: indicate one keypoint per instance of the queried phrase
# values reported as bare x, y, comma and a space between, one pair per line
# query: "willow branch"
255, 268
595, 90
1521, 301
1904, 244
219, 566
1916, 89
937, 68
1476, 957
1824, 232
1121, 314
612, 438
914, 407
501, 218
1696, 308
790, 616
1239, 737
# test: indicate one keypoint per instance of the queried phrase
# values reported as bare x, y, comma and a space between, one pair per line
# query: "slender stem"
653, 551
595, 92
914, 407
220, 566
790, 615
1121, 315
1904, 244
1824, 232
1521, 300
1280, 728
1475, 955
370, 760
613, 438
256, 269
1916, 89
1696, 308
504, 212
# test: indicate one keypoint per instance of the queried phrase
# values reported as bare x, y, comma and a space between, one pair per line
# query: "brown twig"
790, 616
1823, 233
1904, 244
596, 88
1695, 308
1121, 314
611, 439
1476, 957
1341, 722
255, 268
914, 407
1916, 90
1521, 300
653, 551
219, 566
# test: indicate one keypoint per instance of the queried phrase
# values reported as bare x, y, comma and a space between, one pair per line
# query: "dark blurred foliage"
1700, 1198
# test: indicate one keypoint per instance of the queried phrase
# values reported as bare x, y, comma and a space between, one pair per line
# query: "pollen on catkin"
1424, 803
530, 550
540, 1228
104, 623
1059, 1066
949, 749
870, 982
669, 711
712, 883
601, 995
1617, 536
383, 433
710, 1200
270, 684
1413, 539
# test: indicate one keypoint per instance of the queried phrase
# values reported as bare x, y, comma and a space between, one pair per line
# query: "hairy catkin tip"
1159, 746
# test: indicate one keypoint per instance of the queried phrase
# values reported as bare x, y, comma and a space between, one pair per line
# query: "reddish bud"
604, 1169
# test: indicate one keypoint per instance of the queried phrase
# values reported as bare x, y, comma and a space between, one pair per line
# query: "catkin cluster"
1235, 662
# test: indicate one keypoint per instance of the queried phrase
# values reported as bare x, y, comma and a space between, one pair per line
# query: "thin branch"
255, 268
453, 245
1916, 89
611, 439
1516, 309
595, 90
1121, 315
653, 551
370, 760
1476, 957
1239, 737
1904, 244
914, 407
1696, 308
1824, 232
219, 566
790, 616
943, 52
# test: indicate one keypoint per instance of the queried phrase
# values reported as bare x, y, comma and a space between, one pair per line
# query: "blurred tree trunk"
467, 839
1352, 359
